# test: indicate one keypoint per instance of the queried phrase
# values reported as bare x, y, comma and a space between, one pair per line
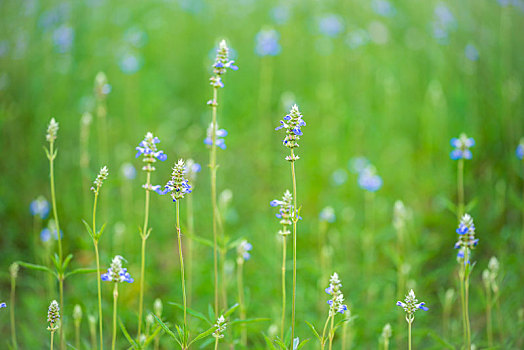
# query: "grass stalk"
144, 235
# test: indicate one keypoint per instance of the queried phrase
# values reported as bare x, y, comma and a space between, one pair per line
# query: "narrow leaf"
37, 267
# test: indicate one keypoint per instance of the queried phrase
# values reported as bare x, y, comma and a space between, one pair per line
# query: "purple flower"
2, 305
267, 43
330, 25
116, 273
178, 186
471, 52
520, 150
148, 149
369, 180
219, 141
462, 145
39, 207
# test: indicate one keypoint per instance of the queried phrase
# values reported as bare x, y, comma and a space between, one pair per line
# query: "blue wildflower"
267, 43
443, 23
327, 214
178, 186
222, 63
39, 207
219, 137
130, 63
128, 171
466, 236
462, 145
520, 150
116, 273
53, 316
2, 305
50, 232
280, 14
63, 38
369, 180
192, 168
383, 8
336, 303
148, 149
411, 305
357, 38
293, 124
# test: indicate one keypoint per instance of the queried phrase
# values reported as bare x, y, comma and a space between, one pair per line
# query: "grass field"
382, 88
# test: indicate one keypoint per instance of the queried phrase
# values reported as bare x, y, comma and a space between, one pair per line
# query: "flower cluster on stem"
102, 175
148, 149
53, 316
462, 145
285, 212
411, 305
466, 237
116, 273
336, 303
292, 123
179, 185
222, 63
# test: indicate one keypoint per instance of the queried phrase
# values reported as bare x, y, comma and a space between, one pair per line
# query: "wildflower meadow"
240, 174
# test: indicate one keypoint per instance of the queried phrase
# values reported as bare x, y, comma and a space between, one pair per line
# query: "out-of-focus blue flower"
471, 52
462, 145
243, 250
267, 43
50, 231
280, 14
339, 177
357, 164
4, 47
39, 207
369, 180
192, 168
383, 8
357, 38
63, 38
130, 63
219, 137
520, 150
128, 171
116, 273
135, 36
51, 18
330, 25
443, 23
504, 2
327, 214
2, 305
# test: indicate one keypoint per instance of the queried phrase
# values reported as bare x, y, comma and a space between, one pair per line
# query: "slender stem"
463, 303
52, 335
323, 342
213, 167
92, 331
179, 234
344, 335
295, 219
77, 335
409, 335
216, 343
466, 304
12, 313
386, 343
115, 298
460, 175
223, 287
59, 238
99, 287
191, 231
99, 296
488, 316
331, 333
283, 321
499, 316
240, 285
144, 235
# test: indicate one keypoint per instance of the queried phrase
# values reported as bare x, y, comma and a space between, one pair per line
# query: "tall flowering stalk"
95, 236
116, 274
336, 305
150, 154
293, 123
285, 213
102, 89
215, 139
13, 271
51, 152
243, 254
53, 318
461, 152
411, 305
465, 244
220, 328
178, 187
192, 170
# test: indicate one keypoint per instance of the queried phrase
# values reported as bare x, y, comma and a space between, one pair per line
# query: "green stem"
77, 335
460, 176
242, 306
386, 343
466, 311
216, 343
409, 335
99, 287
331, 333
12, 313
52, 336
191, 231
463, 303
344, 335
283, 321
179, 234
144, 235
295, 219
213, 167
92, 331
115, 298
489, 325
323, 341
59, 238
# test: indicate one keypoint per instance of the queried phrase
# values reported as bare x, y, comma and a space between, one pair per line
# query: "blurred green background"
390, 81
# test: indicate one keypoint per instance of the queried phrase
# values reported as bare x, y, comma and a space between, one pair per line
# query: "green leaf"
281, 343
193, 312
80, 271
99, 233
201, 240
300, 345
315, 333
202, 335
231, 310
269, 342
152, 336
166, 329
37, 267
66, 262
471, 205
55, 259
211, 313
88, 228
128, 337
